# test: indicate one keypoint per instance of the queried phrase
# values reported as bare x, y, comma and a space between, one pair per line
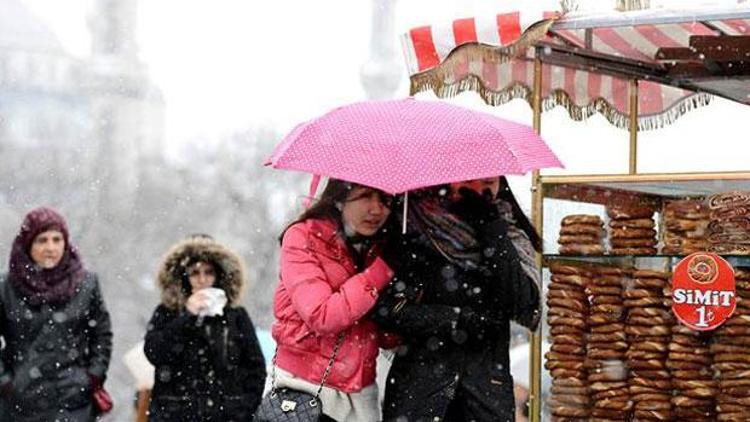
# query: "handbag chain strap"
326, 373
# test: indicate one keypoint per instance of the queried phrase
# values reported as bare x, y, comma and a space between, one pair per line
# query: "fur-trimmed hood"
173, 270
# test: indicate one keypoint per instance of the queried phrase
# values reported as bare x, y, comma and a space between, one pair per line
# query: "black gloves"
476, 327
6, 389
95, 381
475, 209
481, 214
499, 256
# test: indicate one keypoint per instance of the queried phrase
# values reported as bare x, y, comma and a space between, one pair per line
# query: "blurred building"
380, 75
103, 104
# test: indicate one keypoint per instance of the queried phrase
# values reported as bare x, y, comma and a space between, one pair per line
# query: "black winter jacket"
206, 370
51, 352
455, 322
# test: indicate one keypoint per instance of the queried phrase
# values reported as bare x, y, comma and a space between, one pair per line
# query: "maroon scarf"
34, 284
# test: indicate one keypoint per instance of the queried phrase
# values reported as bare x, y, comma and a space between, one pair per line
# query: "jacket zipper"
225, 339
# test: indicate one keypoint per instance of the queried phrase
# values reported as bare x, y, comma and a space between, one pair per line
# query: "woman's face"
478, 185
364, 212
47, 249
201, 275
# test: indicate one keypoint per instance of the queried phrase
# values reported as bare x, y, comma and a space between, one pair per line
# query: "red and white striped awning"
588, 60
427, 46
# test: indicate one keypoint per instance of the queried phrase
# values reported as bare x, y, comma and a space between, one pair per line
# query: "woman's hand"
475, 209
6, 388
95, 382
196, 302
479, 326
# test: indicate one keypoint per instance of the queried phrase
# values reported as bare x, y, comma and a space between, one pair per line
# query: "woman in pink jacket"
330, 280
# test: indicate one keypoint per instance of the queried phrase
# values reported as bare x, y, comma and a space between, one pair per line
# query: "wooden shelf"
641, 188
735, 260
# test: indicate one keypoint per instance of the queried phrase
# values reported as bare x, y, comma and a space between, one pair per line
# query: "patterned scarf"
450, 236
520, 240
456, 239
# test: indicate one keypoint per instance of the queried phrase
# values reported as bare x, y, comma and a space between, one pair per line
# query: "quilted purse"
288, 405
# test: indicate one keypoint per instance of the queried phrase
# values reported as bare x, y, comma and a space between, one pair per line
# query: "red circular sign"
703, 293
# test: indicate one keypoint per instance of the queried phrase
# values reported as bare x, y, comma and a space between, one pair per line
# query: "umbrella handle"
313, 189
406, 209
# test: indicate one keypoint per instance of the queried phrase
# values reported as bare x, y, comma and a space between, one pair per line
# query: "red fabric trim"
424, 47
509, 27
464, 31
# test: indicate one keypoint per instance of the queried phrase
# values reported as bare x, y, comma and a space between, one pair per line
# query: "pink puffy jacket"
321, 294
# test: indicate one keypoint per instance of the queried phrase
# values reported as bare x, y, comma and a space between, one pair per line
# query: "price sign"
703, 292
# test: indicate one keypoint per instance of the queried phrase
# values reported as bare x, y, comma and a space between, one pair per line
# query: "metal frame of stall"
712, 63
583, 59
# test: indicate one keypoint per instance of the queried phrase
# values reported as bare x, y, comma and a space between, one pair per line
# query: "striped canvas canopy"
678, 57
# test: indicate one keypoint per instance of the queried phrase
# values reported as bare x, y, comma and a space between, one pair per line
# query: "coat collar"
328, 231
331, 236
333, 243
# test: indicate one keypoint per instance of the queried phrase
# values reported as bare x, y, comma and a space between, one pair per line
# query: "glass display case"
591, 194
558, 197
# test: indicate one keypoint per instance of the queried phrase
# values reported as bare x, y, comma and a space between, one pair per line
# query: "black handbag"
288, 405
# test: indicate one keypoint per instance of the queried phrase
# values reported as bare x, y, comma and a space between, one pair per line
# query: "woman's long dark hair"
325, 208
523, 222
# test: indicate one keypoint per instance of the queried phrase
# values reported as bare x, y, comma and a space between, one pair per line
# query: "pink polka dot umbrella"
406, 144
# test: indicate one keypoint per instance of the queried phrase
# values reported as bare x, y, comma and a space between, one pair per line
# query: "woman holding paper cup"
209, 365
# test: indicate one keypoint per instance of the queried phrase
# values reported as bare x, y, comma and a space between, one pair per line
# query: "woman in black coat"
56, 329
459, 282
208, 367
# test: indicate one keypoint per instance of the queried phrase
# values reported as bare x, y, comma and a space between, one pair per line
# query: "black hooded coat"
207, 369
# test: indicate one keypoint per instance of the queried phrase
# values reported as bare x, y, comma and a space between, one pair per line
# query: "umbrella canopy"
407, 144
588, 59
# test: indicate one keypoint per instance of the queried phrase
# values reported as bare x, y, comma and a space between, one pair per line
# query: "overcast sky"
226, 65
